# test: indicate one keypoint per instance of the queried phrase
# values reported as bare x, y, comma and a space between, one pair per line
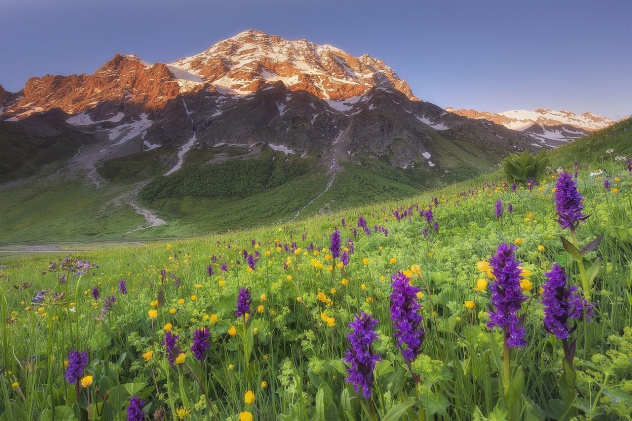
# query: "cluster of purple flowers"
77, 362
568, 202
335, 244
606, 184
251, 261
510, 208
507, 296
209, 270
405, 316
561, 302
122, 287
135, 409
108, 304
201, 343
360, 354
243, 302
95, 293
499, 209
172, 348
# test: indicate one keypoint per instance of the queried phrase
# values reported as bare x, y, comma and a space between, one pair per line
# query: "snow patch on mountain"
125, 132
83, 119
436, 126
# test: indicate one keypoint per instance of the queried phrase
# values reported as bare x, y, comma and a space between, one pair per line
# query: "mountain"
255, 119
543, 124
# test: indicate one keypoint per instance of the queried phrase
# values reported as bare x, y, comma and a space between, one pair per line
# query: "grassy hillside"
289, 353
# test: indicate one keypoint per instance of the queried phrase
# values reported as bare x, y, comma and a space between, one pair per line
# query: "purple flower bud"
201, 343
122, 287
507, 296
95, 293
360, 354
172, 349
568, 202
335, 244
499, 209
135, 409
243, 302
405, 317
77, 362
510, 208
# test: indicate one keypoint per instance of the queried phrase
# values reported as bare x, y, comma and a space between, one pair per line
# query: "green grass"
292, 349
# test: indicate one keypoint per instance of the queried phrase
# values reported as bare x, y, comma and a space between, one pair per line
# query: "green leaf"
345, 404
134, 388
396, 412
592, 272
591, 246
532, 411
62, 413
383, 367
514, 394
320, 406
99, 340
340, 366
577, 256
617, 395
435, 403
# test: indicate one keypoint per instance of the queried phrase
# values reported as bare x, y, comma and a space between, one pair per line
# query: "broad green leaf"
435, 403
577, 256
62, 413
383, 367
396, 412
320, 406
340, 366
99, 340
591, 246
532, 411
592, 272
134, 388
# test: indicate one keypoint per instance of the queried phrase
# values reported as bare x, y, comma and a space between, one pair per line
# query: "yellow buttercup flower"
181, 301
152, 314
331, 322
469, 304
365, 261
332, 291
232, 331
263, 297
518, 241
615, 190
245, 416
148, 355
181, 358
525, 273
340, 265
322, 297
420, 295
249, 397
198, 286
393, 260
86, 381
260, 309
369, 300
483, 266
481, 285
344, 281
230, 366
264, 384
16, 384
193, 297
416, 269
182, 413
167, 327
172, 311
541, 248
213, 318
222, 283
525, 284
363, 287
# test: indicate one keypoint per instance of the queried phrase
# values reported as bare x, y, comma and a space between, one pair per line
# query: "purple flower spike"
360, 354
251, 261
95, 293
499, 209
135, 409
335, 244
122, 287
510, 208
561, 302
507, 296
606, 184
201, 343
405, 317
568, 202
172, 349
77, 361
243, 302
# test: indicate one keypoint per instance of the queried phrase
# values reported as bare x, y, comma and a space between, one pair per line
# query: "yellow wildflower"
541, 248
615, 190
245, 416
263, 297
181, 358
181, 301
182, 413
420, 295
469, 304
332, 291
264, 384
249, 397
148, 355
86, 381
483, 266
213, 318
393, 260
152, 314
232, 331
525, 284
363, 287
222, 283
15, 384
369, 300
260, 309
193, 297
518, 241
344, 281
365, 261
167, 327
481, 285
172, 311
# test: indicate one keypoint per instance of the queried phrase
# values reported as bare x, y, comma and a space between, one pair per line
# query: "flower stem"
506, 367
582, 270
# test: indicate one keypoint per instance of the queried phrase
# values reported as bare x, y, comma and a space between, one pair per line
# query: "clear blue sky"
489, 55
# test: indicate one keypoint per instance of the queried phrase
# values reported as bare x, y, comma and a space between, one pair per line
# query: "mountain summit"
248, 61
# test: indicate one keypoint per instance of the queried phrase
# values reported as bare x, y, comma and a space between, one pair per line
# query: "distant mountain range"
248, 96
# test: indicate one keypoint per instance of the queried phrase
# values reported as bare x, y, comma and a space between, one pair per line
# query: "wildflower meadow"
486, 300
